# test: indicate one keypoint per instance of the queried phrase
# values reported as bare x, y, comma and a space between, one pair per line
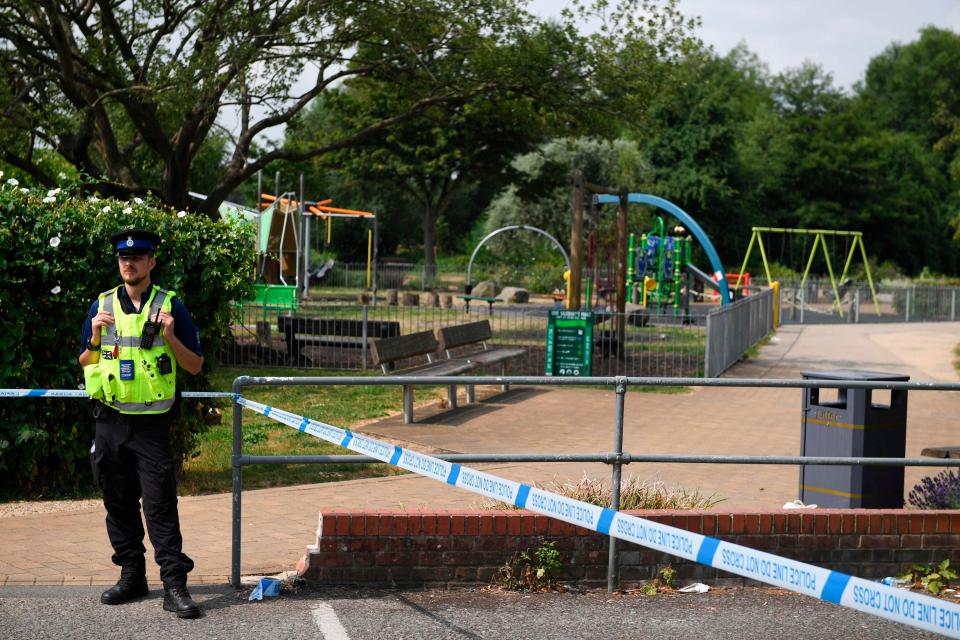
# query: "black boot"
131, 585
178, 600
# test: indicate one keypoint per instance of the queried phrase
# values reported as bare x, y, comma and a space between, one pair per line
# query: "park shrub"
55, 258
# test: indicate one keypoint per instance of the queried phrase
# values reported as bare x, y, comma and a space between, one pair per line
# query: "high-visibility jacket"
127, 377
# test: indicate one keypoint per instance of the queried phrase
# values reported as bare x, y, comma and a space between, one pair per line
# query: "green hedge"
55, 258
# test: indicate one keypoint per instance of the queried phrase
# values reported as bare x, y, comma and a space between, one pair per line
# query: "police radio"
149, 332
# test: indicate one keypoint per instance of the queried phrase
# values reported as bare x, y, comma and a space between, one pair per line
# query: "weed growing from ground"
932, 578
532, 570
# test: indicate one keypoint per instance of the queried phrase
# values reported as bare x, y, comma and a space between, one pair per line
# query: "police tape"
900, 605
80, 393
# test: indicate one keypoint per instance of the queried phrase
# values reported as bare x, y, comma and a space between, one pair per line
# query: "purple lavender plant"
941, 491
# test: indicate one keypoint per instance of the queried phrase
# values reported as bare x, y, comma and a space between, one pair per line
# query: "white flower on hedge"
181, 214
52, 192
50, 199
24, 190
13, 182
138, 200
106, 209
127, 210
61, 176
55, 241
93, 199
55, 290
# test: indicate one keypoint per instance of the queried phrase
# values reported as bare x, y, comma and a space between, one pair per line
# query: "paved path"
71, 548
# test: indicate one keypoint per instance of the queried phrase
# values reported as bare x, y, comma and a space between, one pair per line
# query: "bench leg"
407, 404
452, 396
503, 374
471, 397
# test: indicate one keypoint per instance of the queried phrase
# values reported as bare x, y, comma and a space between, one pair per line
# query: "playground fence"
814, 303
652, 345
732, 329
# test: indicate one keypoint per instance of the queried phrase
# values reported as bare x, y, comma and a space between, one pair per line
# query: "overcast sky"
839, 35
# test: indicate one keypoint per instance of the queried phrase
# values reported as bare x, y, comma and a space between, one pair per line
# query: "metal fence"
653, 344
814, 303
732, 329
616, 457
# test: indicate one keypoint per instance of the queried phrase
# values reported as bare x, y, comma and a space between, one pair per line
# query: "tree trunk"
429, 244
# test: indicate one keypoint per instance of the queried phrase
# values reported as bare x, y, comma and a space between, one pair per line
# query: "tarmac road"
328, 614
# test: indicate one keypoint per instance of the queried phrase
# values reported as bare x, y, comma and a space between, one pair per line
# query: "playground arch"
689, 223
512, 227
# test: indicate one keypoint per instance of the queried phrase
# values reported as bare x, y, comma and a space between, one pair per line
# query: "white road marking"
328, 622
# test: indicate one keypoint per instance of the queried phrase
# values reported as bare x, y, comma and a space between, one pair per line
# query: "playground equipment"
663, 258
654, 271
468, 288
284, 224
854, 238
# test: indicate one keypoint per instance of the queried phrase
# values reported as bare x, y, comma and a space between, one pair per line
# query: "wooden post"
621, 273
576, 241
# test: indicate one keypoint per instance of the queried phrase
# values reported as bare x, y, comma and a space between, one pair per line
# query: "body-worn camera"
164, 364
149, 333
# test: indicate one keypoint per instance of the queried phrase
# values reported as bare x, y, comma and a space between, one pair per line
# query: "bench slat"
338, 327
388, 350
494, 356
464, 334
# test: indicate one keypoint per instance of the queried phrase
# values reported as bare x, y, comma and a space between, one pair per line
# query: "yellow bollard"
776, 303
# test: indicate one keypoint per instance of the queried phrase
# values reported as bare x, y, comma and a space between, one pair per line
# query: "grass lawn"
209, 470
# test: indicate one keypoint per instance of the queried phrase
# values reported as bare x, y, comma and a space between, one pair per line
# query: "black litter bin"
853, 426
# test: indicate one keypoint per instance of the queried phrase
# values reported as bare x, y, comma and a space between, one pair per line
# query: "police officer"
134, 339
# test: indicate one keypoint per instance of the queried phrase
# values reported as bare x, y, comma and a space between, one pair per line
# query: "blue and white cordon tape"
80, 393
900, 605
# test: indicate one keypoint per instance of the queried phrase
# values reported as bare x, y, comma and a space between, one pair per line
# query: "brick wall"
463, 548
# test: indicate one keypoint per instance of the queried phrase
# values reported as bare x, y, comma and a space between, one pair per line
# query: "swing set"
854, 239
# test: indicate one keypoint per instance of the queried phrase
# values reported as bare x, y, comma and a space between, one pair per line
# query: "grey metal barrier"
734, 328
616, 457
814, 303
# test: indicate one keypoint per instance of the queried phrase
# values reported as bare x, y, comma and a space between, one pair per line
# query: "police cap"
134, 242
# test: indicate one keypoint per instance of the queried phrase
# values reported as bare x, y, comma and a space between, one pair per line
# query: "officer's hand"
166, 320
99, 321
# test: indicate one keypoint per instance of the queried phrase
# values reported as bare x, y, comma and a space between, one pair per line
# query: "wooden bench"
941, 452
386, 352
476, 334
330, 332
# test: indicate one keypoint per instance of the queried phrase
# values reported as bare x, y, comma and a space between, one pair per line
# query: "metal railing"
734, 328
616, 457
814, 303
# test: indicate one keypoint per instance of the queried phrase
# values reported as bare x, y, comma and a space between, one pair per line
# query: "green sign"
569, 343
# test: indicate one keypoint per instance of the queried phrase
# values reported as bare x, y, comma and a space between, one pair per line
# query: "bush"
55, 257
941, 491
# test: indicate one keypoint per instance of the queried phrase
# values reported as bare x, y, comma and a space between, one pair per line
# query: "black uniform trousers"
132, 454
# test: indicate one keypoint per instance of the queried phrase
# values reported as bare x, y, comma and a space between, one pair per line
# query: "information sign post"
569, 343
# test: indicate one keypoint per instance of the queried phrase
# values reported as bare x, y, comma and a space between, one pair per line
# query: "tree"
702, 156
558, 83
540, 194
431, 156
123, 88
